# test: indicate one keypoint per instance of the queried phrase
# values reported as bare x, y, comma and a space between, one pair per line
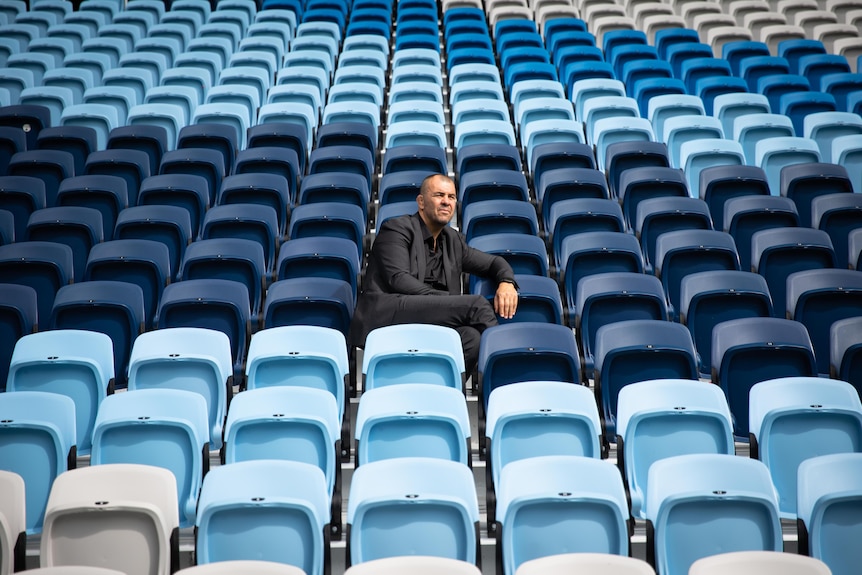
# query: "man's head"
436, 202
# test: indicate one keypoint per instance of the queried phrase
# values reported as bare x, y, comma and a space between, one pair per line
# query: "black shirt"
434, 273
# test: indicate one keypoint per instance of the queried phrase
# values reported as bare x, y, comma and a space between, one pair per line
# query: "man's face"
437, 204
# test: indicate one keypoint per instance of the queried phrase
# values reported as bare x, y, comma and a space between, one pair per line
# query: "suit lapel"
416, 248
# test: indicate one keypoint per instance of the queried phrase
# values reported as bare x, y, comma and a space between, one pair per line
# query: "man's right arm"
392, 253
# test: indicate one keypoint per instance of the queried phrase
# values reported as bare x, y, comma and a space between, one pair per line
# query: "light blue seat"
728, 107
362, 112
701, 503
416, 73
685, 128
415, 92
824, 127
247, 76
605, 107
36, 62
484, 132
412, 420
37, 441
475, 89
413, 353
101, 117
265, 60
547, 131
662, 418
847, 152
696, 155
773, 154
608, 131
415, 56
200, 59
171, 117
267, 510
295, 93
474, 71
364, 57
55, 98
155, 62
534, 419
302, 356
412, 111
360, 75
120, 97
749, 129
479, 109
419, 132
543, 108
828, 497
13, 537
587, 89
366, 41
200, 79
76, 79
234, 115
186, 358
669, 105
74, 363
525, 90
794, 418
97, 62
355, 92
135, 77
560, 504
174, 435
248, 96
412, 506
185, 97
293, 113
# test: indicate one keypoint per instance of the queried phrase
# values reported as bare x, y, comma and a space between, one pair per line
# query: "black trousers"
469, 315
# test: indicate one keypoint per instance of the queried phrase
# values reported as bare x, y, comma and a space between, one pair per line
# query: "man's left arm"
497, 269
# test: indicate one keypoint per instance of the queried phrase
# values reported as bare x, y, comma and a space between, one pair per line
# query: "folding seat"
263, 189
560, 154
190, 192
540, 299
661, 108
250, 565
234, 115
737, 52
350, 159
175, 438
804, 182
421, 157
841, 86
78, 140
152, 128
44, 266
711, 87
517, 426
50, 166
17, 319
582, 90
321, 301
750, 129
818, 299
682, 252
749, 562
581, 493
649, 428
826, 416
209, 303
417, 133
608, 132
775, 87
320, 255
798, 105
655, 216
498, 216
341, 187
590, 253
448, 517
775, 257
206, 162
106, 194
192, 76
12, 141
685, 128
526, 254
753, 68
640, 183
595, 109
815, 67
268, 160
78, 227
492, 184
38, 441
473, 90
412, 420
742, 514
588, 563
542, 132
570, 217
258, 223
400, 187
142, 498
234, 92
824, 127
845, 152
487, 157
697, 155
13, 511
7, 227
838, 215
359, 124
746, 351
329, 219
711, 297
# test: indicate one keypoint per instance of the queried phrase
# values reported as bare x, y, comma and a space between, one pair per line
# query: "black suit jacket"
396, 268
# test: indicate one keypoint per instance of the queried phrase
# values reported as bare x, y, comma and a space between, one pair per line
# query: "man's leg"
470, 315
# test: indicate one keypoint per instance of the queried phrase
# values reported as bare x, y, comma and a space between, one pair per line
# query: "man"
414, 275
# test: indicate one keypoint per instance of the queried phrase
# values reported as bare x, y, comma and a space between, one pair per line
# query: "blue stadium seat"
649, 428
77, 227
733, 502
746, 215
73, 363
50, 166
131, 165
642, 183
17, 319
539, 299
751, 129
219, 137
43, 266
320, 301
697, 155
638, 350
826, 418
573, 504
499, 216
804, 182
596, 252
39, 443
827, 489
175, 438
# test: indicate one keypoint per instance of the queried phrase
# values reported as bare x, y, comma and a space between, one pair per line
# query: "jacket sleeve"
392, 253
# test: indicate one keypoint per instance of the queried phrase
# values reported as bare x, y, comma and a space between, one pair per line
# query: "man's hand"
506, 300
